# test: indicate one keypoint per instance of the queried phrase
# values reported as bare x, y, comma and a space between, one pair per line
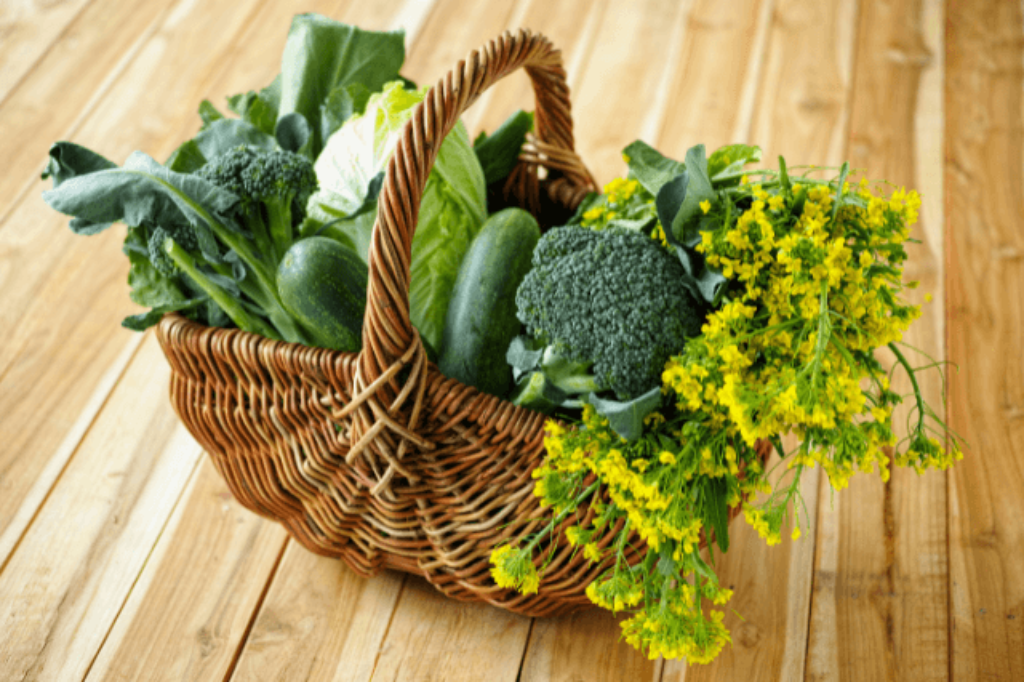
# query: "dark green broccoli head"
257, 176
612, 297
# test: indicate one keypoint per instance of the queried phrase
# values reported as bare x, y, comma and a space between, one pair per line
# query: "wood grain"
634, 70
28, 29
583, 646
194, 601
802, 111
880, 582
120, 556
572, 27
320, 621
434, 638
72, 571
65, 295
711, 98
985, 325
54, 100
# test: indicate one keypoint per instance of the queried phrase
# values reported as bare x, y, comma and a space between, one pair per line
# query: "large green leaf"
731, 159
187, 158
322, 54
650, 167
627, 418
227, 133
142, 191
68, 160
698, 189
499, 152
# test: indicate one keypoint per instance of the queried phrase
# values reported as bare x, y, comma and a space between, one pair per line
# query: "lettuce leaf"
452, 210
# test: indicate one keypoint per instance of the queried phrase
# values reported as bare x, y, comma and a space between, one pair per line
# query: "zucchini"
481, 320
322, 284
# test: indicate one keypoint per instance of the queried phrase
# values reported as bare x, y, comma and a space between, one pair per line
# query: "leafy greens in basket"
452, 210
209, 230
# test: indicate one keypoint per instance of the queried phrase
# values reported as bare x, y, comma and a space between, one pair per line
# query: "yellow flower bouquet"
798, 280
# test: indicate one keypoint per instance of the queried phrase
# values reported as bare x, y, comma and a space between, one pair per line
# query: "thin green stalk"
231, 307
921, 407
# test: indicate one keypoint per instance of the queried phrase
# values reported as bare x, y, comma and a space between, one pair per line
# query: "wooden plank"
801, 111
434, 638
722, 55
53, 100
583, 646
70, 574
624, 78
28, 29
46, 477
64, 295
880, 586
985, 325
572, 28
453, 29
194, 601
320, 621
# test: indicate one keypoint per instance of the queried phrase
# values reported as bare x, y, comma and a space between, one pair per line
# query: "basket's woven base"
266, 411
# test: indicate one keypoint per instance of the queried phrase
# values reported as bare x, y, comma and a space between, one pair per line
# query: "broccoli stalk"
183, 261
558, 382
273, 188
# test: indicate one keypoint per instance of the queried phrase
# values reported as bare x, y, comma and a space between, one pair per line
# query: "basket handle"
387, 331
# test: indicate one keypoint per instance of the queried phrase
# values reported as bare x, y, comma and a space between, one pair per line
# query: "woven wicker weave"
376, 457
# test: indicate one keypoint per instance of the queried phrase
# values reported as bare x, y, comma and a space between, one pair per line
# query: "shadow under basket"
376, 457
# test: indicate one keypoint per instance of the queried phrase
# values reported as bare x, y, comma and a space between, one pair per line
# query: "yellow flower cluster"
813, 283
513, 568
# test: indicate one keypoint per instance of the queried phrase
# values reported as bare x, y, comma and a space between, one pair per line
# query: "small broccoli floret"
613, 298
158, 256
274, 188
171, 260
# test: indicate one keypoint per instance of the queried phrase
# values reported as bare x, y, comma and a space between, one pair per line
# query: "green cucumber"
323, 285
481, 320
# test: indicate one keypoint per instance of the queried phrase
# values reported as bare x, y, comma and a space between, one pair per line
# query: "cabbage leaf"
452, 210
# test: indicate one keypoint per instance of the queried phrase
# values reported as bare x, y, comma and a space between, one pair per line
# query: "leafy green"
141, 191
678, 203
716, 510
698, 189
187, 158
208, 113
68, 160
650, 167
225, 134
731, 159
322, 54
344, 102
259, 109
452, 209
626, 418
499, 152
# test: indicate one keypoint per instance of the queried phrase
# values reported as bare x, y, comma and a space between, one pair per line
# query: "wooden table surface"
122, 555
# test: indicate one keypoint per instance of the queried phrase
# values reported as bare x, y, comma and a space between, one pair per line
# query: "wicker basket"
376, 457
